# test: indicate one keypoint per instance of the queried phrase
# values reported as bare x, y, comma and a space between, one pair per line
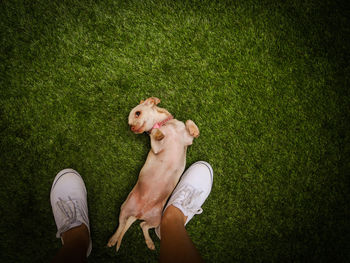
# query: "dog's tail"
122, 228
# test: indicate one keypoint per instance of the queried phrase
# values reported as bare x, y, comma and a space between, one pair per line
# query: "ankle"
173, 214
79, 234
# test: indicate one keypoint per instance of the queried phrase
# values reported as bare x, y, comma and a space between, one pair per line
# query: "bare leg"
175, 244
76, 242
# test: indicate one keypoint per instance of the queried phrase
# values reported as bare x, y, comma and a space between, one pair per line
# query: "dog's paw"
150, 245
112, 241
158, 135
192, 128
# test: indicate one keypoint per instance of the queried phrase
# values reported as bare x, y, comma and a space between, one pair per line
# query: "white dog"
163, 168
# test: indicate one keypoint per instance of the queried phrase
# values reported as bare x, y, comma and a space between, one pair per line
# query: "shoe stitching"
186, 197
69, 210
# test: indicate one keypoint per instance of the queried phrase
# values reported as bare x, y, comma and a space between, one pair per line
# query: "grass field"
267, 83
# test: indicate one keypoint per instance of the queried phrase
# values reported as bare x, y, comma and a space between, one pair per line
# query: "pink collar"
160, 124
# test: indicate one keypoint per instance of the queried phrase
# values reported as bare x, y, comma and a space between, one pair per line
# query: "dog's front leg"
192, 128
157, 141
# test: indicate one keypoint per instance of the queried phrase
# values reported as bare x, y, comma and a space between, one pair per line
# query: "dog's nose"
132, 128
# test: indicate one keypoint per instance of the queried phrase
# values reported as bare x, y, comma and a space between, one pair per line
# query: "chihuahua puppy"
163, 168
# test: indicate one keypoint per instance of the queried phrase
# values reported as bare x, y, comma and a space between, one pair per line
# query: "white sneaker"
192, 190
69, 202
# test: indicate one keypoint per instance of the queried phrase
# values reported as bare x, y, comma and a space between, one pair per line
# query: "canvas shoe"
192, 190
69, 202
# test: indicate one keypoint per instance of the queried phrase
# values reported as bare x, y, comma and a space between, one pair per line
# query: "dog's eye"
138, 113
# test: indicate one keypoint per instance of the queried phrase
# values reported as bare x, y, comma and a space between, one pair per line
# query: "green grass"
267, 83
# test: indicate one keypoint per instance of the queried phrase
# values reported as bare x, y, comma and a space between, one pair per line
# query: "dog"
162, 170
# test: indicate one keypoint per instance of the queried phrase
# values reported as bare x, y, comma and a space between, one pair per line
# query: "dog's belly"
152, 213
153, 188
158, 178
146, 203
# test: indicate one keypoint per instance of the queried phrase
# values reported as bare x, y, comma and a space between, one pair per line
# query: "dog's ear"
151, 101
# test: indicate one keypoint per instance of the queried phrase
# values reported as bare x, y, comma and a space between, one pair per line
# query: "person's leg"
186, 201
176, 245
75, 245
69, 207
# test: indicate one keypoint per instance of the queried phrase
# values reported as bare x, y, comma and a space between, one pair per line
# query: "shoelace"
186, 197
71, 210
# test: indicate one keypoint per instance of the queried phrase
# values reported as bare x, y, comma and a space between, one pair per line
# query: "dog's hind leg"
148, 239
122, 228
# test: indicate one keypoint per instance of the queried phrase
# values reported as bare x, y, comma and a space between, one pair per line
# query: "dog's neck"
157, 125
163, 117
